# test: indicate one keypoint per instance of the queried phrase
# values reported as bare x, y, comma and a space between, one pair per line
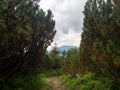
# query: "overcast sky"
69, 20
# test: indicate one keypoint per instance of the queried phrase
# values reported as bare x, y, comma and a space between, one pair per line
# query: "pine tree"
25, 33
100, 38
71, 63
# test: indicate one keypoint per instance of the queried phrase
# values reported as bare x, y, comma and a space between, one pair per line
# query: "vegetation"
71, 62
99, 49
26, 31
89, 82
53, 72
36, 82
55, 58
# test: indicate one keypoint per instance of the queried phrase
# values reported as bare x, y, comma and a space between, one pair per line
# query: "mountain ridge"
66, 48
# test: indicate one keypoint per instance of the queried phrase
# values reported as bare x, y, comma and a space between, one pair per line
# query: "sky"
69, 20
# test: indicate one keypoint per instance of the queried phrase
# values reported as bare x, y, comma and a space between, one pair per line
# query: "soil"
56, 83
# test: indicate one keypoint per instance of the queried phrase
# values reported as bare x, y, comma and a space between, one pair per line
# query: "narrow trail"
55, 83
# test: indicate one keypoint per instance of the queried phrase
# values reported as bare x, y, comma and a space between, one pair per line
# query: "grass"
89, 82
36, 82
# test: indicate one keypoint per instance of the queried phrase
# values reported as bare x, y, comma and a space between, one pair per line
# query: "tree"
43, 34
71, 63
25, 33
11, 39
55, 58
99, 49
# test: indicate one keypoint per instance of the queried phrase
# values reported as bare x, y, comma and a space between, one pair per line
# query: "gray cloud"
68, 15
69, 19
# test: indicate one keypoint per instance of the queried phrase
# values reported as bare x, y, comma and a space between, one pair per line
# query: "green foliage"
99, 49
26, 83
25, 33
88, 82
54, 59
50, 73
71, 62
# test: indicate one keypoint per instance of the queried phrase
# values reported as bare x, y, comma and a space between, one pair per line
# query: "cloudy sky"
69, 20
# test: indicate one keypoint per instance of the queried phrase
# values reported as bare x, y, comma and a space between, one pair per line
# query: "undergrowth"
36, 82
88, 82
50, 73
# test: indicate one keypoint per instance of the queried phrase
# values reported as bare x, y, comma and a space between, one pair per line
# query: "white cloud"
72, 38
69, 19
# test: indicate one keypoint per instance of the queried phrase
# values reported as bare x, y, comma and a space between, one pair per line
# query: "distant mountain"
66, 48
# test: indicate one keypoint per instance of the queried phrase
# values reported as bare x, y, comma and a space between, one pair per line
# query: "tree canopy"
25, 33
99, 49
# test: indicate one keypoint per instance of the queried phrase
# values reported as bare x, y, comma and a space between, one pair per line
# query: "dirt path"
55, 83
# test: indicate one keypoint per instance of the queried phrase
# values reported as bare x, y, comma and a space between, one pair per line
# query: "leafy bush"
88, 82
26, 83
52, 72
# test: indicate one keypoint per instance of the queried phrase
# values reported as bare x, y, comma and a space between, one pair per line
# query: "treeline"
25, 33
